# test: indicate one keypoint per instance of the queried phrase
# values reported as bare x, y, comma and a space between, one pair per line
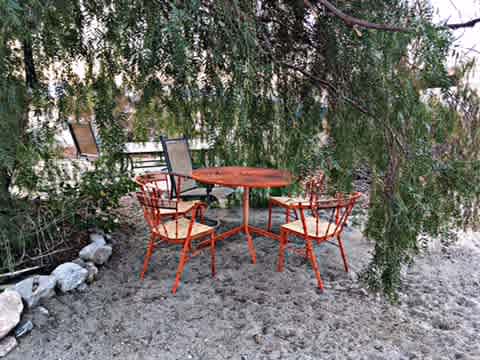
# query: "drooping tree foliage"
257, 78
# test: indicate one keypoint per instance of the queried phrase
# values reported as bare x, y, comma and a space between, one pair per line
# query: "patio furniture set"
175, 205
175, 220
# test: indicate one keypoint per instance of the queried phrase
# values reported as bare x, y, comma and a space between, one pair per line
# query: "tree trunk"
31, 82
5, 180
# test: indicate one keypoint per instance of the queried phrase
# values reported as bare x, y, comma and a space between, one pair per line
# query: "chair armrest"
178, 175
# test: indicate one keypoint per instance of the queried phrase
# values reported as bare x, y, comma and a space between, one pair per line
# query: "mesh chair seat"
219, 192
183, 207
289, 201
178, 229
324, 229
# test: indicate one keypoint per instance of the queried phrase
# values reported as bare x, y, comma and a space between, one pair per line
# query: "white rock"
90, 267
44, 311
69, 276
97, 253
97, 239
11, 308
35, 288
92, 272
7, 345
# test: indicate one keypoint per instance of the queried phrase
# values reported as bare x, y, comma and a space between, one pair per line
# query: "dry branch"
353, 21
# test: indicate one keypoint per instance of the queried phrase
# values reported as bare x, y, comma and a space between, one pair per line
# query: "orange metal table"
246, 177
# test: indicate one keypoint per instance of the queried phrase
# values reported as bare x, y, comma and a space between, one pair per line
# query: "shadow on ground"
252, 312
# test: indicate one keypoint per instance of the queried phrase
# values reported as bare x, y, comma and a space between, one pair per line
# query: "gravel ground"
252, 312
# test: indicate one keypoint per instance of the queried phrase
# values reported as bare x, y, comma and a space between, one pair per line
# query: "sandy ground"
253, 312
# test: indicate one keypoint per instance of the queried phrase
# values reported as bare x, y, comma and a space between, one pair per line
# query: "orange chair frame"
150, 181
314, 187
152, 204
340, 209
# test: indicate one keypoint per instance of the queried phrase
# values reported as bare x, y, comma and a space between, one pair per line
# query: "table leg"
246, 208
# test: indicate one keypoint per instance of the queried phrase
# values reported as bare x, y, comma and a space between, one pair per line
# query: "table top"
150, 147
237, 176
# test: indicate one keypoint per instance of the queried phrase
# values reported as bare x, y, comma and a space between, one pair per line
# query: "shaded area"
253, 312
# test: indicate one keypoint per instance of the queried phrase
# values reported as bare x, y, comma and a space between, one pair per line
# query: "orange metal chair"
327, 220
174, 222
160, 183
314, 187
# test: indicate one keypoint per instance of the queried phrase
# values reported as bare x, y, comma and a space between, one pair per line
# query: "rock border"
66, 277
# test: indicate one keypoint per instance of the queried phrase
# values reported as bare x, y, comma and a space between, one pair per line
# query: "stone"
69, 276
35, 288
92, 272
258, 339
7, 345
98, 239
11, 307
96, 253
90, 267
23, 328
43, 311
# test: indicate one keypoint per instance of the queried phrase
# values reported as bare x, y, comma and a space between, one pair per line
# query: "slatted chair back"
152, 204
154, 182
329, 216
179, 161
315, 186
84, 139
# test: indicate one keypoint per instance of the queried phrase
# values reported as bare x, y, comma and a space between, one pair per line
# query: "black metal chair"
179, 161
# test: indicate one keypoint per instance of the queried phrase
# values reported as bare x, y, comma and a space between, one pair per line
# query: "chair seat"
219, 192
183, 225
183, 207
288, 201
325, 228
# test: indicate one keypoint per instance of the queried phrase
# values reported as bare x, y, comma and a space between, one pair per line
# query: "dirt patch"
253, 312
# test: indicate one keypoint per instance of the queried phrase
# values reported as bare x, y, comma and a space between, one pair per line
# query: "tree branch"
353, 21
467, 24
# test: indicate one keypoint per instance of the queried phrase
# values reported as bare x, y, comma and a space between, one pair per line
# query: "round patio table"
246, 177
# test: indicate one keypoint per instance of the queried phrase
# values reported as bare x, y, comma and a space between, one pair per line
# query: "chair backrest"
315, 185
330, 214
84, 139
179, 161
152, 204
155, 182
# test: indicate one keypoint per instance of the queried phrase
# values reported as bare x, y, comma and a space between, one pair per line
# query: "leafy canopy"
257, 78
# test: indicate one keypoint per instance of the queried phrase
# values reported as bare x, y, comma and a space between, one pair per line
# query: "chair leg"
313, 259
212, 251
181, 266
269, 227
150, 247
283, 245
287, 215
342, 251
